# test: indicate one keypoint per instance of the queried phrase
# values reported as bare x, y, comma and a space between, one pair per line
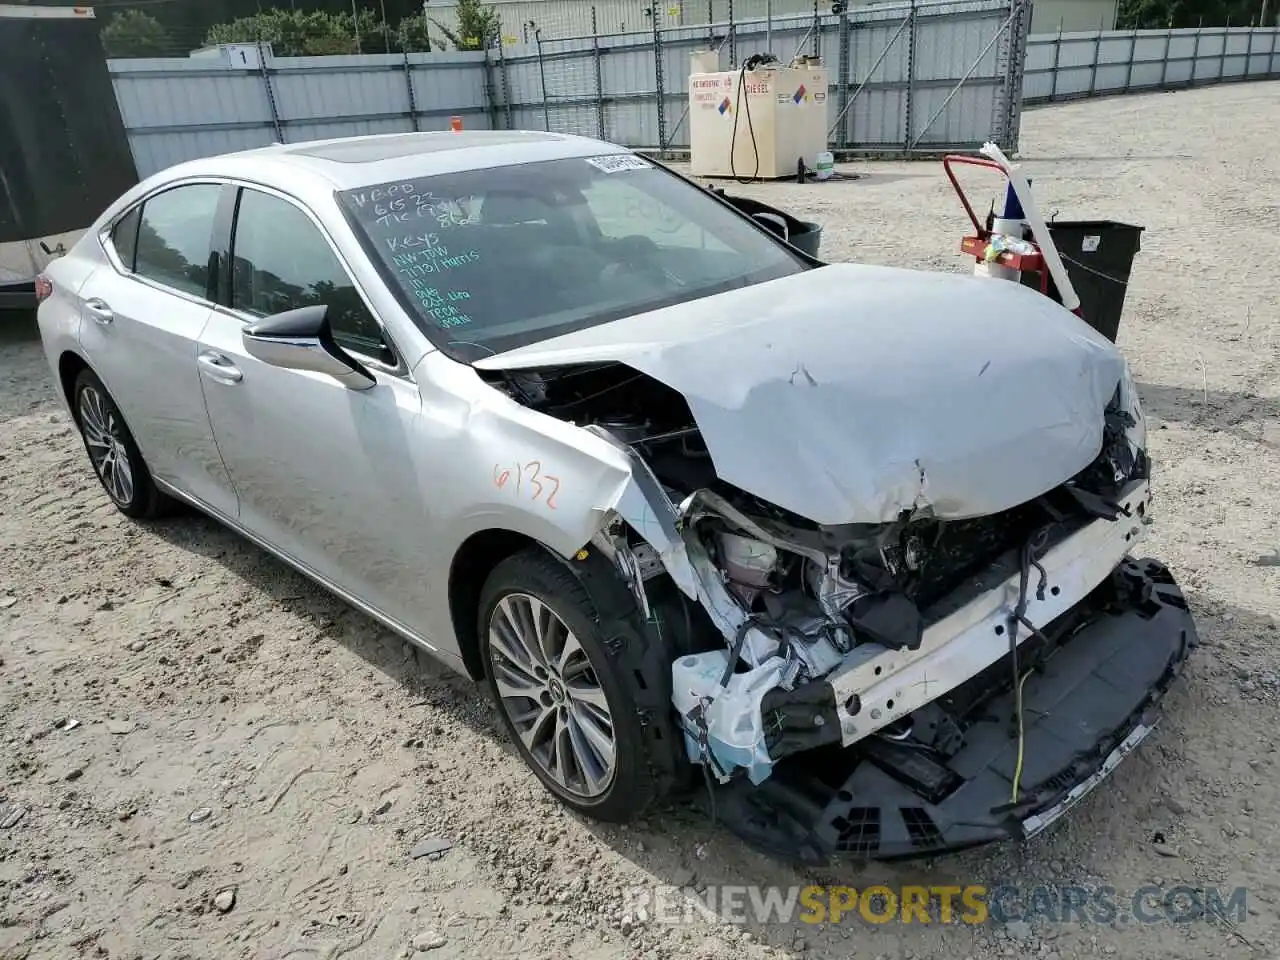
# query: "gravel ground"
214, 758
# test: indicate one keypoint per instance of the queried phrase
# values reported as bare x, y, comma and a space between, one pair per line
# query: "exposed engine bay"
819, 591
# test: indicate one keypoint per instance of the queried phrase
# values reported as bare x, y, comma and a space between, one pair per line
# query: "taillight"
44, 288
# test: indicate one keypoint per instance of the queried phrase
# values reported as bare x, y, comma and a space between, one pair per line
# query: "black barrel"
1098, 255
804, 235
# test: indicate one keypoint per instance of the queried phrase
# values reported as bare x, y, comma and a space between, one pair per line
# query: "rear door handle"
217, 367
99, 310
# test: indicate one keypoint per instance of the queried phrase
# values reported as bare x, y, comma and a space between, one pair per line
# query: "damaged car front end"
917, 625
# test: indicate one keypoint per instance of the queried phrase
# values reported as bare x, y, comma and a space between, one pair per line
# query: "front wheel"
113, 452
555, 659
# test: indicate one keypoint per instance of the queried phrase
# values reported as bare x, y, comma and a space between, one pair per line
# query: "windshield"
489, 260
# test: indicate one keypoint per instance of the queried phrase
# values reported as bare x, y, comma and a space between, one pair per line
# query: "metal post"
506, 86
1057, 54
911, 76
408, 85
271, 95
658, 57
490, 93
542, 76
711, 19
768, 26
1133, 49
1014, 76
1248, 57
1097, 47
1222, 59
842, 73
1164, 66
817, 30
595, 55
1275, 48
733, 38
1195, 55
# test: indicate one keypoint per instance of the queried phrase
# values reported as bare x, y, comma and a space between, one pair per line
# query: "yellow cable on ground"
1017, 770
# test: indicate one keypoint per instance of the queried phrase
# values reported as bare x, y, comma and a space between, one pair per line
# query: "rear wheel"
564, 666
113, 452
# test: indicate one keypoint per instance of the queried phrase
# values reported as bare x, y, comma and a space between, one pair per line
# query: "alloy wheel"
104, 438
551, 694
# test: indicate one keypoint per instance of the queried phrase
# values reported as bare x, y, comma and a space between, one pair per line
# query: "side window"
621, 209
124, 237
174, 237
281, 261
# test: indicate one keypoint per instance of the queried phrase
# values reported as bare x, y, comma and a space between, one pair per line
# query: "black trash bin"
1098, 255
805, 235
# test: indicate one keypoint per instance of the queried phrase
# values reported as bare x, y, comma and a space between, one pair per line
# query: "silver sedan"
693, 504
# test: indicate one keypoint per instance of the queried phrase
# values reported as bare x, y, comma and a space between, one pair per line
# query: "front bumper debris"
1101, 671
892, 684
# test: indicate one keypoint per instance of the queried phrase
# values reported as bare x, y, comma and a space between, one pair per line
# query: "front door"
328, 475
143, 316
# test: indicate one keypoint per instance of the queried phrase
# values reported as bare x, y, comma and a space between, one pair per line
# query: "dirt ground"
209, 757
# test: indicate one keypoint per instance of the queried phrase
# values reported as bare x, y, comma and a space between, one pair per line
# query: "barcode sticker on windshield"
619, 163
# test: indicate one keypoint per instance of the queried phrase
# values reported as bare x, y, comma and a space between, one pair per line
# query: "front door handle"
99, 310
217, 367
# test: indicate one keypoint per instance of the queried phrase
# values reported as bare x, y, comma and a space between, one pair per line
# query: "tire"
113, 453
617, 663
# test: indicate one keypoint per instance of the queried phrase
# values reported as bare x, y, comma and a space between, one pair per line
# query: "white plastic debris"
728, 719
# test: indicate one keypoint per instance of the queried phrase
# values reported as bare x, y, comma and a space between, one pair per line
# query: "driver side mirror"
301, 340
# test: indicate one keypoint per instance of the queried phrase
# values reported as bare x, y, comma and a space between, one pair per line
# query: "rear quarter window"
124, 237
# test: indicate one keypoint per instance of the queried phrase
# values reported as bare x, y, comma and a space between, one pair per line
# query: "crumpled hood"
849, 393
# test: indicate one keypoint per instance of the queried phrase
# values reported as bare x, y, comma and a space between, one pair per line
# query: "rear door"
143, 315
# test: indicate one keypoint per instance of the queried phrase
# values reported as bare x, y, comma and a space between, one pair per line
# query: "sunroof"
392, 146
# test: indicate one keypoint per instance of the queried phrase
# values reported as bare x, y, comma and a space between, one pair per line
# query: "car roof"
350, 162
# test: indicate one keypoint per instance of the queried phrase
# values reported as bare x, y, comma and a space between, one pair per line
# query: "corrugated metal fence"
923, 76
178, 109
1070, 65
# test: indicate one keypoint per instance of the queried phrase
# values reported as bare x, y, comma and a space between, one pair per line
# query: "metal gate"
913, 77
929, 77
906, 78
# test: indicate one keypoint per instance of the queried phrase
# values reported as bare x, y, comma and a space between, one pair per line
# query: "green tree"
414, 34
298, 33
136, 34
1160, 14
478, 26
